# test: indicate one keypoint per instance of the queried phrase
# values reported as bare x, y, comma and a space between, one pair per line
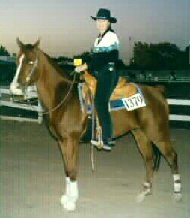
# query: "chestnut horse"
59, 96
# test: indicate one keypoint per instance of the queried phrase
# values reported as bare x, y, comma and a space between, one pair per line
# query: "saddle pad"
131, 103
122, 90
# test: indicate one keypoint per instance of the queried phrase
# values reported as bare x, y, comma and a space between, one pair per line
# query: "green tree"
3, 51
187, 56
158, 56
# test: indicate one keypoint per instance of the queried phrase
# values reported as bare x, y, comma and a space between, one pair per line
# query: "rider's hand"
81, 68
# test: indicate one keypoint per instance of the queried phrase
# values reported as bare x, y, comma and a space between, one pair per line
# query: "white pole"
189, 52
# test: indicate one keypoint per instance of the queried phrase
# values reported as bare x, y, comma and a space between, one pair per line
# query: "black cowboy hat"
104, 14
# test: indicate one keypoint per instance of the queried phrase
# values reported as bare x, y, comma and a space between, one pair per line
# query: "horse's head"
27, 64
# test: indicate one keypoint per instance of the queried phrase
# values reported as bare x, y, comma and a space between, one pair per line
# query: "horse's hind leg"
70, 151
145, 148
170, 155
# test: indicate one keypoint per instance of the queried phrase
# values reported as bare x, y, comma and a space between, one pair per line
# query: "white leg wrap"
74, 190
176, 177
67, 185
177, 187
146, 191
69, 199
177, 183
64, 198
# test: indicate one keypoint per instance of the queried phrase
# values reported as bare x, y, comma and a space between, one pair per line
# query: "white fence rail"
7, 101
32, 93
181, 102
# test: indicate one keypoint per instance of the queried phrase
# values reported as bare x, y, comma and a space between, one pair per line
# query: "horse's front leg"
70, 150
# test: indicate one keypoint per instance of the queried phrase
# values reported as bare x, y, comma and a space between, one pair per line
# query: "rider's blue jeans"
107, 79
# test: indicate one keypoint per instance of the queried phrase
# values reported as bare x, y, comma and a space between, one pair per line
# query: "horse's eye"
31, 62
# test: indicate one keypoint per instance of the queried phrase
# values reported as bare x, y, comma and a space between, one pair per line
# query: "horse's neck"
48, 82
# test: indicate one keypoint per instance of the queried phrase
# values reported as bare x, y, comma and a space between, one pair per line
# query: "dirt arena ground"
32, 178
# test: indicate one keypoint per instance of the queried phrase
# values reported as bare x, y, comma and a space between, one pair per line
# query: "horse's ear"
19, 43
37, 43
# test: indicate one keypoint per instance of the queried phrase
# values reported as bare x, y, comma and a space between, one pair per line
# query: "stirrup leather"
97, 139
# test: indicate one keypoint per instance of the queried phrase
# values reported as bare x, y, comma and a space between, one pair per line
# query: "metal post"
40, 112
189, 52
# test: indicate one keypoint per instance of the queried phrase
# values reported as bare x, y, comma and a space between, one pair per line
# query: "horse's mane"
63, 72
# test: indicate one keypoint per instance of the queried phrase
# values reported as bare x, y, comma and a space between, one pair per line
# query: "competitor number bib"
134, 102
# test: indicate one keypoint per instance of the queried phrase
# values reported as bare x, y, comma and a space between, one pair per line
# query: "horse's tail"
157, 157
161, 88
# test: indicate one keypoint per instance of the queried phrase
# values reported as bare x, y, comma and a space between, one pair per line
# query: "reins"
63, 100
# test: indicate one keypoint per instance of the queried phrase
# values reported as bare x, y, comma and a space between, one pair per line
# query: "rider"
102, 65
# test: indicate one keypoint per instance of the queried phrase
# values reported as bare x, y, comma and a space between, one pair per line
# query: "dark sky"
65, 26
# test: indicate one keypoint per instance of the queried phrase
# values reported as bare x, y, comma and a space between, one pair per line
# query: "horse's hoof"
70, 206
142, 195
177, 197
69, 203
64, 199
140, 198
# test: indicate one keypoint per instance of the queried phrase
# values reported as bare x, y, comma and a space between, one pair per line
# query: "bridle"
28, 79
34, 63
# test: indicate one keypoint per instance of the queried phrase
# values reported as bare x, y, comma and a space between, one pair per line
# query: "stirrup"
101, 145
97, 143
